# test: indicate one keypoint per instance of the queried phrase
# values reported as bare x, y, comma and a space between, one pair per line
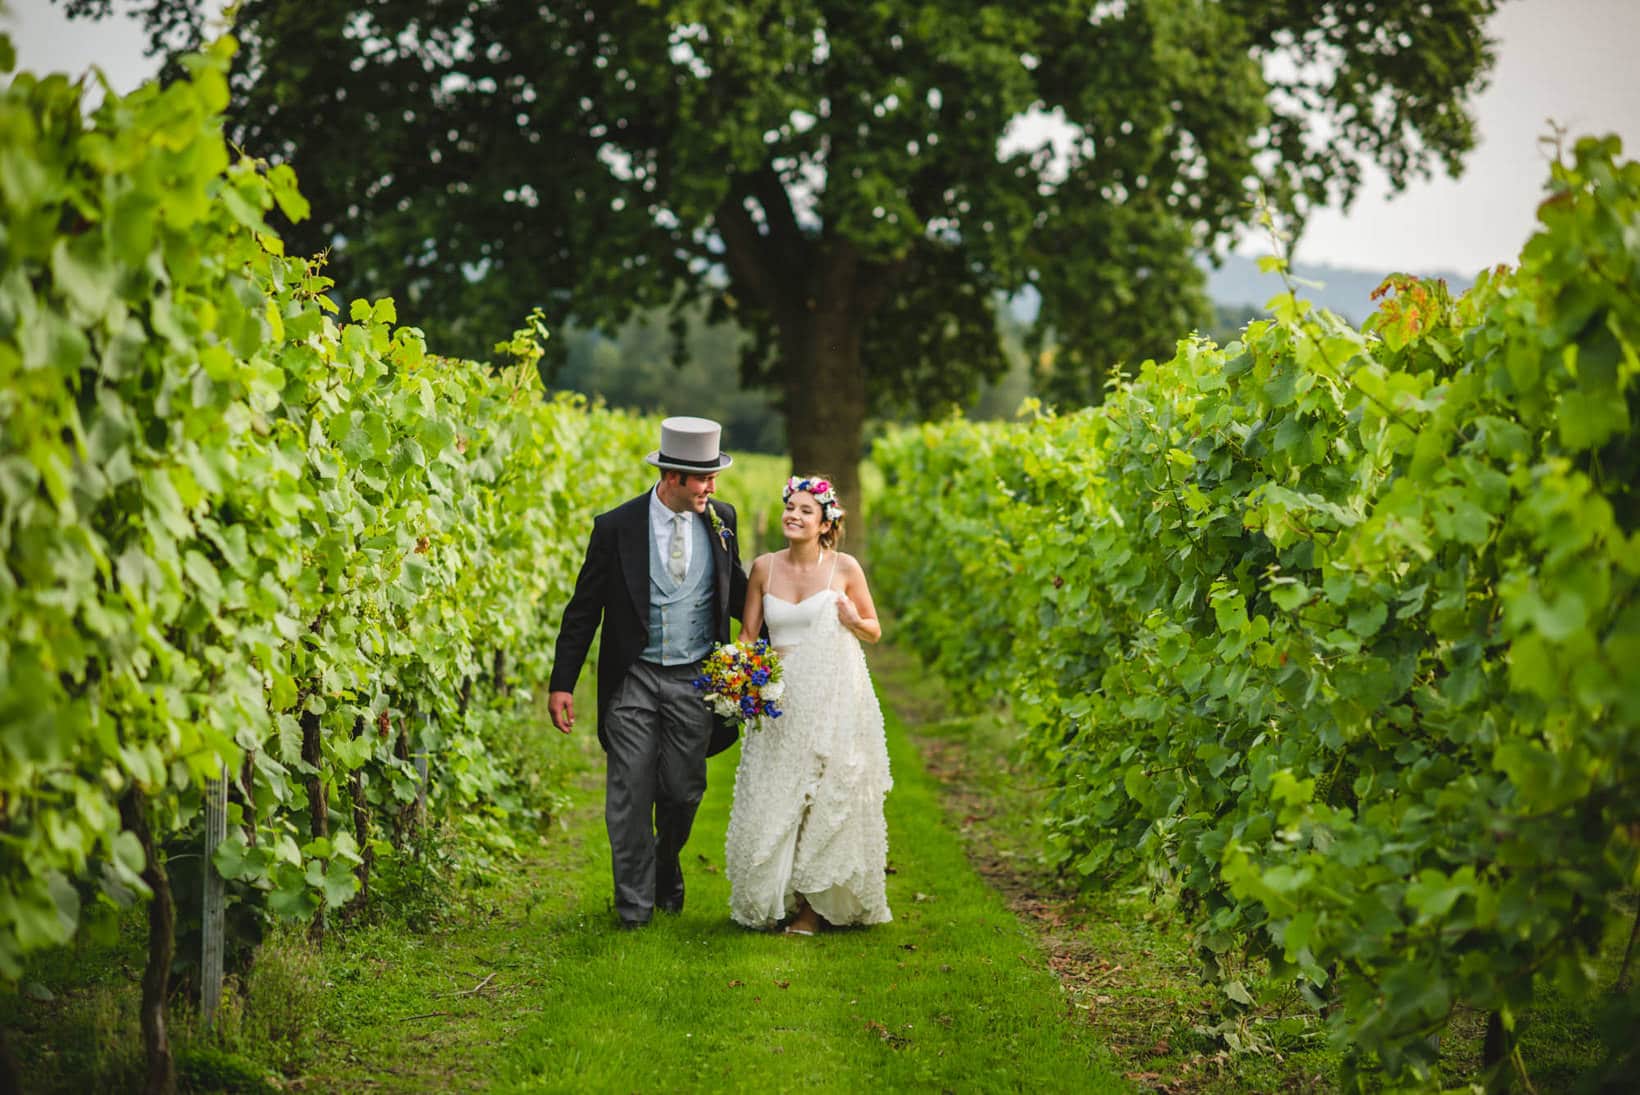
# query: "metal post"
216, 831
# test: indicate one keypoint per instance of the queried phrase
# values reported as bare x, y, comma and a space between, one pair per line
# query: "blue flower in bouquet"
760, 677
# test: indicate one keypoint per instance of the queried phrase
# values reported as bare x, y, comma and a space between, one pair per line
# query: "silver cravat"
676, 565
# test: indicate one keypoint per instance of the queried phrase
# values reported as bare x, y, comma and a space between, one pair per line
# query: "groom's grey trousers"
656, 735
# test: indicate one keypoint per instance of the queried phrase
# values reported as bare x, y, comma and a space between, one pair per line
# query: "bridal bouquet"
742, 681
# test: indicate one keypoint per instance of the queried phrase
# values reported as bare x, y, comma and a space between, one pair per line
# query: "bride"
806, 833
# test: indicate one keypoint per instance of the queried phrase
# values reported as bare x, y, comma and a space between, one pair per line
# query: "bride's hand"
846, 611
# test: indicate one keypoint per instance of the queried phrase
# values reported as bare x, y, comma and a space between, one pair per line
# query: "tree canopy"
850, 182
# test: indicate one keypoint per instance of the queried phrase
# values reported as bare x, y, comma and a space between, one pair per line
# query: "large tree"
850, 182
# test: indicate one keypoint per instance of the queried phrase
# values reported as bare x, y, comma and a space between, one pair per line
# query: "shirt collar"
660, 514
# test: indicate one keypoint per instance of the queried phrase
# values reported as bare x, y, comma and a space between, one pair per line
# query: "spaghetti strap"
833, 575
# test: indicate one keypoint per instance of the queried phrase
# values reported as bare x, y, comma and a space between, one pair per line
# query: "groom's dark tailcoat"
613, 586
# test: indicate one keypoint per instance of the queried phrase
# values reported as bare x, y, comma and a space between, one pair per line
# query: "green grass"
74, 1026
952, 995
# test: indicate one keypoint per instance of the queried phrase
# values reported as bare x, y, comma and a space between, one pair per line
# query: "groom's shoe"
634, 924
669, 889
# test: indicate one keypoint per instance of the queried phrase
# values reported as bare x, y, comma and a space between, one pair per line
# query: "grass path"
542, 993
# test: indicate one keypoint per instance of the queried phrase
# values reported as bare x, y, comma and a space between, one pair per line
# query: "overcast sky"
1576, 62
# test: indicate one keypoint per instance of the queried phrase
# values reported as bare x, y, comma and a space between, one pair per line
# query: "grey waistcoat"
680, 613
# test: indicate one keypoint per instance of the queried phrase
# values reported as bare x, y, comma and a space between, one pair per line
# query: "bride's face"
802, 520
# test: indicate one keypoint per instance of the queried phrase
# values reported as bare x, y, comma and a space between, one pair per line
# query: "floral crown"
822, 491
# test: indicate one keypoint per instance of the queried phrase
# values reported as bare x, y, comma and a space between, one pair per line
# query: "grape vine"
1331, 631
240, 533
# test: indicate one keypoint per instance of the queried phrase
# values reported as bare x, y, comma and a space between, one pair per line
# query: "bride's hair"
819, 487
830, 538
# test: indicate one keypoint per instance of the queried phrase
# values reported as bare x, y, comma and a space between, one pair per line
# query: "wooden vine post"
318, 803
212, 901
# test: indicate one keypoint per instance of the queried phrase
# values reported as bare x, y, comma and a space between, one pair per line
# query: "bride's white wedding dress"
807, 816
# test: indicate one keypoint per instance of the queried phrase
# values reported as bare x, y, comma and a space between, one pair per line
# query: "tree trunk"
826, 388
1495, 1056
11, 1077
162, 1073
313, 754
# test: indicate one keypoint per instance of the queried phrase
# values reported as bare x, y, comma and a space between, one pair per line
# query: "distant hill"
1239, 283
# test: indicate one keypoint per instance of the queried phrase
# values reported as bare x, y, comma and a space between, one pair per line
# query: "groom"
663, 574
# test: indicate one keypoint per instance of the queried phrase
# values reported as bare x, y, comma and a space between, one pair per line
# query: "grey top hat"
690, 444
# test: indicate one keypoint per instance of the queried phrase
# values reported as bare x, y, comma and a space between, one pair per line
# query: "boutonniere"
723, 531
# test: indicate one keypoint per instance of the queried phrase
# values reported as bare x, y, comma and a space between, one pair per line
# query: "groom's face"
687, 492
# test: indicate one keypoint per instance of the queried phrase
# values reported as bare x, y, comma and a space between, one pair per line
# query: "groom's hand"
562, 707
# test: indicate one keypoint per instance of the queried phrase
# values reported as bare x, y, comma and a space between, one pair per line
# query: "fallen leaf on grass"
896, 1041
782, 984
737, 983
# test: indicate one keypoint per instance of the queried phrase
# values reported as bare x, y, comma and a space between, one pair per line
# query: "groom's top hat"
690, 445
